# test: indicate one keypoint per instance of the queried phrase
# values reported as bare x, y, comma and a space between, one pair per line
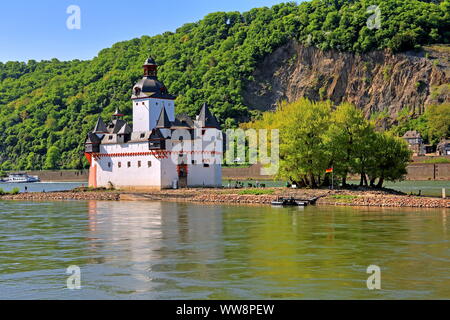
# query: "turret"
149, 97
150, 68
206, 119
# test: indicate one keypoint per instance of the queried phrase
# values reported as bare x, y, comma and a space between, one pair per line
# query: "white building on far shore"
161, 149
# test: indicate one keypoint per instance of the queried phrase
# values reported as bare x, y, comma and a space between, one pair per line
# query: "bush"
256, 192
15, 191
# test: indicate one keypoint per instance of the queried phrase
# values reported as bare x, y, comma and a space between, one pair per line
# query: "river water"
164, 250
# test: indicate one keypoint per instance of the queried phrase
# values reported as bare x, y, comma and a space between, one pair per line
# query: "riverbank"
418, 170
376, 198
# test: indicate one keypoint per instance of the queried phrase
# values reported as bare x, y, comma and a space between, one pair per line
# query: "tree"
314, 138
438, 120
7, 165
349, 140
53, 158
303, 153
389, 158
31, 161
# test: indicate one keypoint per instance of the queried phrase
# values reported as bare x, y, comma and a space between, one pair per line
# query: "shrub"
15, 191
256, 192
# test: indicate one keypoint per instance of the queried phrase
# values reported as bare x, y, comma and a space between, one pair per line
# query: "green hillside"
53, 104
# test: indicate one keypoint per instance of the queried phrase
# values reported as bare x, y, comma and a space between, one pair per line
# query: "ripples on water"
157, 250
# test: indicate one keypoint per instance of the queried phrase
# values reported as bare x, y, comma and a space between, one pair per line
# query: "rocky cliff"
378, 81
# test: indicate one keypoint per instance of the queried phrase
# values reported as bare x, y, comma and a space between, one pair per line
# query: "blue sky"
37, 29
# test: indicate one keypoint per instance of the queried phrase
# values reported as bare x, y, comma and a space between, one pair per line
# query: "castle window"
109, 164
119, 164
142, 135
139, 164
143, 103
128, 164
110, 137
149, 164
193, 161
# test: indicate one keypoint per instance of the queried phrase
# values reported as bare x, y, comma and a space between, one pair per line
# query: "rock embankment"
370, 198
38, 196
389, 201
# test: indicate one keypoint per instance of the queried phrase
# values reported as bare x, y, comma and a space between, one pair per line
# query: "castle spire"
100, 126
207, 119
163, 120
150, 68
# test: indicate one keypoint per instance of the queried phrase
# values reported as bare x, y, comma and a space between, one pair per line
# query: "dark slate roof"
115, 125
92, 138
207, 119
126, 129
163, 120
183, 120
150, 87
150, 62
156, 135
100, 126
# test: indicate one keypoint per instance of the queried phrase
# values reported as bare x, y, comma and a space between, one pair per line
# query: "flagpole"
332, 178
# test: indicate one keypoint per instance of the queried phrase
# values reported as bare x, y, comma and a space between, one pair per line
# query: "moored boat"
289, 202
21, 178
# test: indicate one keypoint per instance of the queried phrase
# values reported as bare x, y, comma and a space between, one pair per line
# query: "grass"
436, 160
243, 165
13, 191
344, 197
256, 192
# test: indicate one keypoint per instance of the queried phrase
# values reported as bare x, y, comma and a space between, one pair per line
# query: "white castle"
160, 150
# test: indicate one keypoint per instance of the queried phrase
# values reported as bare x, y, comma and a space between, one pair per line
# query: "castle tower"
149, 97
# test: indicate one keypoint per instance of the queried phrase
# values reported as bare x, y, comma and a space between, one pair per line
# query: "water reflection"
157, 250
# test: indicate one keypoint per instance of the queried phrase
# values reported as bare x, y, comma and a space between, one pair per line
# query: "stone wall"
416, 171
61, 175
428, 171
253, 172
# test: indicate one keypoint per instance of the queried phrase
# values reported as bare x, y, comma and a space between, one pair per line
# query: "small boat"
289, 202
21, 178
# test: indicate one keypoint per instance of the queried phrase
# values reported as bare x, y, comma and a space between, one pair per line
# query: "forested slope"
52, 104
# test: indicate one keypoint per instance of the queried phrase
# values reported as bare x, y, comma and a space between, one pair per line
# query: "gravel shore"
239, 196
